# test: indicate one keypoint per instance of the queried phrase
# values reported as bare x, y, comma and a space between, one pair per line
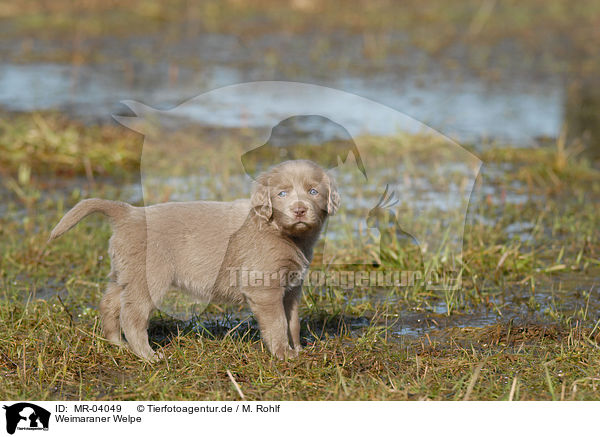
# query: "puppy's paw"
153, 357
292, 353
114, 337
285, 352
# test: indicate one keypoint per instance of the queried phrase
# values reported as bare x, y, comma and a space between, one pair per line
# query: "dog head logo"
310, 137
26, 416
415, 196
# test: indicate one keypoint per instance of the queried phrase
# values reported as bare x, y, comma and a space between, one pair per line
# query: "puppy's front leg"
291, 302
267, 306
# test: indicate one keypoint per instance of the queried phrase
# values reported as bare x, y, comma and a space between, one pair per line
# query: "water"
466, 110
454, 99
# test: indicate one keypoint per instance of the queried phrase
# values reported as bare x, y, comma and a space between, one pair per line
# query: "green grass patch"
523, 326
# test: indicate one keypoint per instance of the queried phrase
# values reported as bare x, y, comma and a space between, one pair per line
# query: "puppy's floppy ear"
333, 198
261, 199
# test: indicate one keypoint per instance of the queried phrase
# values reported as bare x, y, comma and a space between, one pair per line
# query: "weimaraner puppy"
253, 250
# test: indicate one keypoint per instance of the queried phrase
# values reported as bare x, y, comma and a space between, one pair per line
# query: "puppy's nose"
299, 211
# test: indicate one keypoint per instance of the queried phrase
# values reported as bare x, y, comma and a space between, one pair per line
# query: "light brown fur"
201, 248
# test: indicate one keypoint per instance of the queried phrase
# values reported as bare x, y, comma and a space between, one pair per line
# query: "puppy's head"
296, 196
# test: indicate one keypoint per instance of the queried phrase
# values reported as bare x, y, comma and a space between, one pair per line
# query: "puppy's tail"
114, 210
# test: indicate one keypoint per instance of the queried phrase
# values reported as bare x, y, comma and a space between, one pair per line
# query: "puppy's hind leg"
110, 309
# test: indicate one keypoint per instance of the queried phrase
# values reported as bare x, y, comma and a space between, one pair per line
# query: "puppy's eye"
313, 192
282, 193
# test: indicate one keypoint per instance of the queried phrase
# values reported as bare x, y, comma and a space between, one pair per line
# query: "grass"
52, 356
50, 144
536, 293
